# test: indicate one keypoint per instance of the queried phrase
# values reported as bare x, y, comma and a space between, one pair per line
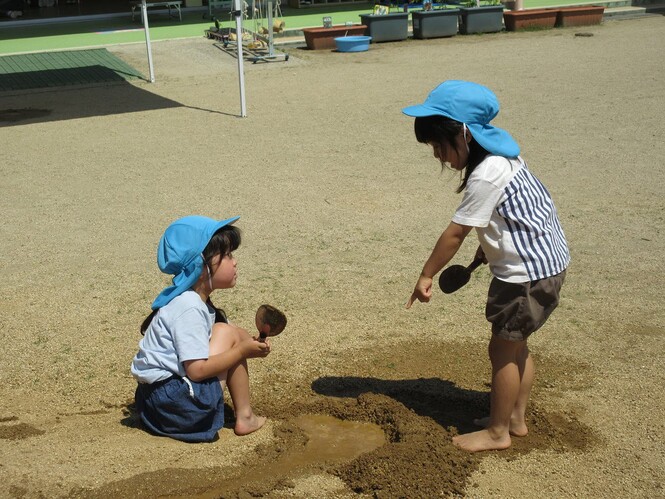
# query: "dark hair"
226, 240
442, 130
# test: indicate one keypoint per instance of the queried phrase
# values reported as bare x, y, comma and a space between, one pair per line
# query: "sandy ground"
340, 206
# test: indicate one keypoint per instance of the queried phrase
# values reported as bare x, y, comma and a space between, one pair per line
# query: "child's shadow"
440, 400
131, 417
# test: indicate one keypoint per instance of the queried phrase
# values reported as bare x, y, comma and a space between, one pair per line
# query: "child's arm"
200, 369
449, 242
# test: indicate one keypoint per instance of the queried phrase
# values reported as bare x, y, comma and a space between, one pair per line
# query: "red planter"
580, 16
324, 38
516, 20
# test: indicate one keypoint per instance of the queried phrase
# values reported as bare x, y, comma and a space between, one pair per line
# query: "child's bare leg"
236, 378
238, 383
527, 371
503, 398
518, 427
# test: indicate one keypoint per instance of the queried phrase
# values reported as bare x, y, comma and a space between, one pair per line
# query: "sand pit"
339, 206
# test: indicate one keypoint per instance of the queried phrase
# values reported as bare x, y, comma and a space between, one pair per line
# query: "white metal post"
144, 15
237, 11
270, 39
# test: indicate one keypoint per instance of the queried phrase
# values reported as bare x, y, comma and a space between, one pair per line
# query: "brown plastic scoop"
456, 276
270, 321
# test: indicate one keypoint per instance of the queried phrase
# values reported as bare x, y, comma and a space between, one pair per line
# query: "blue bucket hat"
471, 104
180, 253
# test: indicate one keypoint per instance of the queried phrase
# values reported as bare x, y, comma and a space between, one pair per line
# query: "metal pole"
270, 39
237, 12
144, 15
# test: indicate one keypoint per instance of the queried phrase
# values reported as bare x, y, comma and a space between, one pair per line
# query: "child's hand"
422, 291
253, 348
481, 254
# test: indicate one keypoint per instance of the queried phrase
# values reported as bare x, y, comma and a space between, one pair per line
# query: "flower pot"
434, 23
386, 27
584, 15
516, 20
488, 19
324, 38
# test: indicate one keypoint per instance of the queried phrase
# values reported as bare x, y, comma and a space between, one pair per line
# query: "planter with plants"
384, 26
434, 23
324, 38
481, 17
583, 15
516, 20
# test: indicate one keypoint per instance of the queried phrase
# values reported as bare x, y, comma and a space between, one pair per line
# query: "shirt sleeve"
480, 199
190, 335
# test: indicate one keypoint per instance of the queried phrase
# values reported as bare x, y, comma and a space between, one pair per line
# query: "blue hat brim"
185, 280
421, 110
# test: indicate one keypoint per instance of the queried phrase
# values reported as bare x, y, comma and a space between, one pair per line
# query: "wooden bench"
175, 4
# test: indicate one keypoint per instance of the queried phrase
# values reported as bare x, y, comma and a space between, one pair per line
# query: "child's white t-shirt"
515, 220
179, 331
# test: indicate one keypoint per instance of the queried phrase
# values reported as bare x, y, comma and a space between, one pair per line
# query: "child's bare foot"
245, 426
517, 429
481, 440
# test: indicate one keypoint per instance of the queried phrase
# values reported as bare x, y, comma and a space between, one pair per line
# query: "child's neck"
201, 289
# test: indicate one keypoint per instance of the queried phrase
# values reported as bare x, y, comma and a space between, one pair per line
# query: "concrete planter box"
434, 23
516, 20
580, 16
488, 19
386, 27
324, 38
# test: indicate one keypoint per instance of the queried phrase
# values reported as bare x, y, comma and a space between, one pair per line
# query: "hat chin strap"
466, 144
209, 272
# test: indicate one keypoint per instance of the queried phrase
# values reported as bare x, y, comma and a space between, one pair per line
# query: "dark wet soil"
418, 415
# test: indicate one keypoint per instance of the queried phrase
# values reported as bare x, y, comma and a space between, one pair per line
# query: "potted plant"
481, 16
434, 23
385, 26
516, 20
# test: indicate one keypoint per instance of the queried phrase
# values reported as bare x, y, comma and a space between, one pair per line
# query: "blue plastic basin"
352, 43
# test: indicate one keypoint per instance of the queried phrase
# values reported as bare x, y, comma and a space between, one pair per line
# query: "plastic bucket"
352, 43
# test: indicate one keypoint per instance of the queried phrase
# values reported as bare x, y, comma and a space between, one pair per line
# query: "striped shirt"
515, 219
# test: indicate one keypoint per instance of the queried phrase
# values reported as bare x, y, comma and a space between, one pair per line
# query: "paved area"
57, 69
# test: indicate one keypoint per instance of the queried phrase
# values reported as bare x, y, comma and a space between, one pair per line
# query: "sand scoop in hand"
270, 321
456, 276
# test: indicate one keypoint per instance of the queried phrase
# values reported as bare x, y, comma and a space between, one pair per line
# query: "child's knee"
226, 335
220, 328
222, 338
501, 349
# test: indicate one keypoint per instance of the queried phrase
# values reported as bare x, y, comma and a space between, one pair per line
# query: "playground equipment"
256, 41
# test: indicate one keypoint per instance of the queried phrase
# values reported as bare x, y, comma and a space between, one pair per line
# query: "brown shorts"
518, 309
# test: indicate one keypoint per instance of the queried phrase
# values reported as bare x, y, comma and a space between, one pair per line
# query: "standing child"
189, 348
520, 237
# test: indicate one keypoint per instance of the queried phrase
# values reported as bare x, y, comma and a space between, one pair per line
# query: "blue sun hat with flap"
180, 253
471, 104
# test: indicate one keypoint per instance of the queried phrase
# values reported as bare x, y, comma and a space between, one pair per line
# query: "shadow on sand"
441, 400
73, 102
